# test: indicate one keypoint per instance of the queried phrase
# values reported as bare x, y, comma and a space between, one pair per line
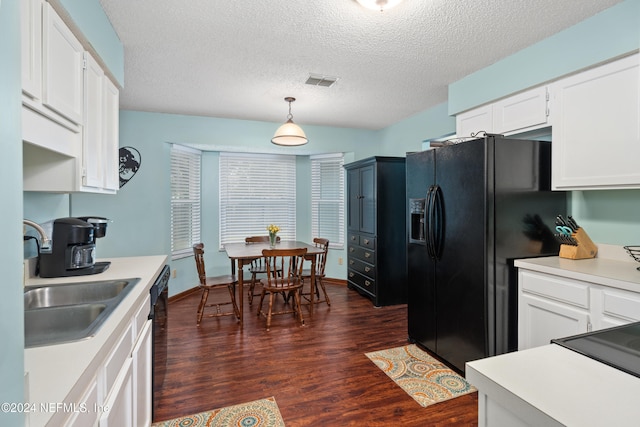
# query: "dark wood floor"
318, 373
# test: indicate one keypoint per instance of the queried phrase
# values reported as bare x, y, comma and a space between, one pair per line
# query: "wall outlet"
174, 273
340, 261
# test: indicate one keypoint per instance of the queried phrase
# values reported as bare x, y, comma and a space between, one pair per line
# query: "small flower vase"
272, 239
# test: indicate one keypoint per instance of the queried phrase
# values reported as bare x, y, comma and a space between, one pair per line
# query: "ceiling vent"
320, 80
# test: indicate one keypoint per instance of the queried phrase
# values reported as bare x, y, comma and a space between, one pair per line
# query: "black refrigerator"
472, 209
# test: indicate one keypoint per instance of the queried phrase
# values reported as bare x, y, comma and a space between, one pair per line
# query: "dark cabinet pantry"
376, 229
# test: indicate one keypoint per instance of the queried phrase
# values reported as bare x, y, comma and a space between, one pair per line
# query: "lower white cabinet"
551, 306
118, 408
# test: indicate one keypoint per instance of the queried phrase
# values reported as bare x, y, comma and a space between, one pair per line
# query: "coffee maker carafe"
72, 251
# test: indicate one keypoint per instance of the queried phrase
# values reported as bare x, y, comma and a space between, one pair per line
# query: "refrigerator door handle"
438, 221
429, 222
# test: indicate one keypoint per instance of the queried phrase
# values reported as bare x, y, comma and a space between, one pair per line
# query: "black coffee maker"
73, 249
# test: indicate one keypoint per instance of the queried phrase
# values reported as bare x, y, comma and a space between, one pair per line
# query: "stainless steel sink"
72, 293
70, 312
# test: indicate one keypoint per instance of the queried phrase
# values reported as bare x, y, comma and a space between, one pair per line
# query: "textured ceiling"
239, 59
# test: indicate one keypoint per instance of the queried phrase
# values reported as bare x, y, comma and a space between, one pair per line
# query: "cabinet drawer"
560, 289
362, 267
362, 282
368, 242
363, 254
625, 305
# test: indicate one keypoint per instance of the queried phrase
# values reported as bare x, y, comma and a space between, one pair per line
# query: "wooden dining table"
242, 254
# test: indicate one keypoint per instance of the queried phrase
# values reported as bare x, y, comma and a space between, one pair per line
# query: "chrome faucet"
45, 242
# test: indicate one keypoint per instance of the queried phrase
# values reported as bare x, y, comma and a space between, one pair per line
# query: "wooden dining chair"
214, 282
289, 263
258, 265
321, 260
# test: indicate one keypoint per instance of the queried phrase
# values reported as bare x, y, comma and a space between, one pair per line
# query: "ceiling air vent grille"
320, 80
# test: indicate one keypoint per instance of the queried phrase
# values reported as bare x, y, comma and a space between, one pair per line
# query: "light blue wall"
94, 24
12, 324
140, 210
407, 135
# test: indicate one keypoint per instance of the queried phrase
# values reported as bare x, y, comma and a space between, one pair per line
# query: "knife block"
585, 248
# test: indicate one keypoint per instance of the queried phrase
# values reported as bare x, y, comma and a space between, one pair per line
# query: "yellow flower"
273, 228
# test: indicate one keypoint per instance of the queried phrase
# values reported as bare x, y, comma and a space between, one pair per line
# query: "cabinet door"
526, 110
473, 121
119, 406
368, 199
353, 188
142, 361
111, 135
31, 33
596, 128
62, 65
542, 320
92, 162
616, 307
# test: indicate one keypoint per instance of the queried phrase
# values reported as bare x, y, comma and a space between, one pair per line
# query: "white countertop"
554, 382
54, 370
613, 272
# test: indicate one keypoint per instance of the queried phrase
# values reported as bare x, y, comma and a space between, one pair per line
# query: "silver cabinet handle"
353, 238
368, 283
351, 262
352, 250
366, 241
367, 269
351, 274
367, 255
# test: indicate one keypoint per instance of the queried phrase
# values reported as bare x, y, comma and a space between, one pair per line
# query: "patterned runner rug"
260, 413
424, 378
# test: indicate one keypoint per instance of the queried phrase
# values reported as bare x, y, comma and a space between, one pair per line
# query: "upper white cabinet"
62, 65
519, 113
31, 25
596, 129
70, 109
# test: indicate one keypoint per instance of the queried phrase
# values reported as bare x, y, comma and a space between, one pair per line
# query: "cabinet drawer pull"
367, 283
367, 269
351, 274
367, 255
366, 241
352, 250
353, 238
351, 262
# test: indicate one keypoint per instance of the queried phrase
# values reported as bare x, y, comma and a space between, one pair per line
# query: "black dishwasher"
159, 314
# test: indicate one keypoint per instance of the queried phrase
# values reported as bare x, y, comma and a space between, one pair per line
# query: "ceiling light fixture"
380, 5
289, 134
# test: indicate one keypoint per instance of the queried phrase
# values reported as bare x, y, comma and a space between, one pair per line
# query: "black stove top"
618, 346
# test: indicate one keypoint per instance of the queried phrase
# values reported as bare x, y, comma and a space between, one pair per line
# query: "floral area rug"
259, 413
424, 378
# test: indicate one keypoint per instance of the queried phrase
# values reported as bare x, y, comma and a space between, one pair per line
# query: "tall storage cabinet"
376, 229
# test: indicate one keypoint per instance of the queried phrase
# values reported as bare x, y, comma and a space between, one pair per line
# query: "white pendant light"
289, 134
380, 5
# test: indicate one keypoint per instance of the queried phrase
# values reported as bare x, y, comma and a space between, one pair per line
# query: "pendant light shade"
380, 5
289, 134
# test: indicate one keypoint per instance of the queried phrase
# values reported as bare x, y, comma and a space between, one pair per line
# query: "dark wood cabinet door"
353, 188
368, 199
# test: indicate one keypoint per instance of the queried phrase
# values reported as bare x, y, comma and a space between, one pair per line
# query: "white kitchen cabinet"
88, 415
118, 409
70, 121
62, 65
551, 306
99, 171
596, 129
31, 35
522, 112
142, 362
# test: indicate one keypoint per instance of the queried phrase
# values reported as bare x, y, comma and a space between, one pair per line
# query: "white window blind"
256, 190
327, 198
185, 200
